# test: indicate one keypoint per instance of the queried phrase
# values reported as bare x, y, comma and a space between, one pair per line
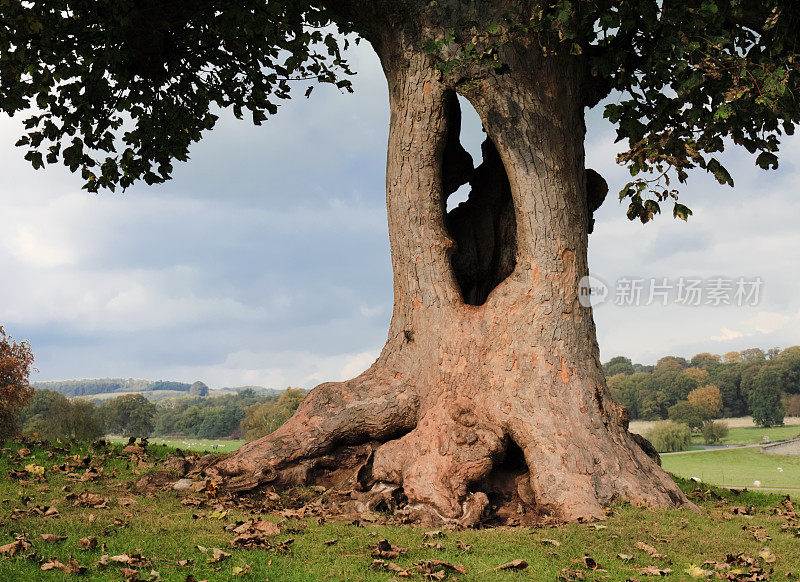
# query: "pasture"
191, 444
736, 468
97, 521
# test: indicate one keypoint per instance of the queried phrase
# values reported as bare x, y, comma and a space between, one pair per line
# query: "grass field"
740, 436
753, 435
741, 431
167, 533
153, 395
189, 444
736, 468
642, 426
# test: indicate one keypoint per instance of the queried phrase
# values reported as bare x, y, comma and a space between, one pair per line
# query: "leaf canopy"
119, 89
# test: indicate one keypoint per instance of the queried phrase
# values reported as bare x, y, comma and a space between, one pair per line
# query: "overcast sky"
266, 259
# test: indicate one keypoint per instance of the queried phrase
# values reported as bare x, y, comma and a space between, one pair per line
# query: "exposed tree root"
456, 459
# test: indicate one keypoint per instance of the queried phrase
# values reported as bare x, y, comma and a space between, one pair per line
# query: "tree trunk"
489, 389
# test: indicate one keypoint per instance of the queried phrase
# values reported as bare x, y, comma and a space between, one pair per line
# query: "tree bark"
489, 388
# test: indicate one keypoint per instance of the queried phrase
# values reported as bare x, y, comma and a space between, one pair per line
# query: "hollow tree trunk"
489, 384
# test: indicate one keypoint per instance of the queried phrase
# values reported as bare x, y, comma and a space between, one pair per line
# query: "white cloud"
768, 322
265, 261
726, 334
30, 245
277, 368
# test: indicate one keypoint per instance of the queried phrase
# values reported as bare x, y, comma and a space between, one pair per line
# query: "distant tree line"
206, 417
765, 385
50, 415
72, 388
263, 419
690, 392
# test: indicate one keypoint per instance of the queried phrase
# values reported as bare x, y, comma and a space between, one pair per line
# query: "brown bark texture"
488, 393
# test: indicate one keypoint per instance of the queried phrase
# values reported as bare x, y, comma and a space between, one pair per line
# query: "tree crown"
120, 89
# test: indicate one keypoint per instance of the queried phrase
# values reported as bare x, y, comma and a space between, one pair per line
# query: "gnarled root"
457, 459
449, 450
373, 406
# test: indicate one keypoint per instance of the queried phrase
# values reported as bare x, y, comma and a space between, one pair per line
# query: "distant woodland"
107, 386
753, 382
691, 392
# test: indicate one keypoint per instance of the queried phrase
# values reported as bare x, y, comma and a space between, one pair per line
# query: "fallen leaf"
89, 543
550, 542
430, 535
590, 564
52, 538
126, 501
758, 532
750, 510
284, 546
34, 469
568, 574
241, 570
649, 549
129, 574
717, 565
767, 555
654, 571
51, 565
433, 566
462, 547
383, 549
698, 572
87, 499
250, 541
72, 567
15, 547
268, 528
391, 567
217, 555
513, 565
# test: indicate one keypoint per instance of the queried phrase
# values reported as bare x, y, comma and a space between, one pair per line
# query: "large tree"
489, 382
16, 359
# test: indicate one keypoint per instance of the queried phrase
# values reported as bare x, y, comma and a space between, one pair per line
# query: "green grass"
755, 435
736, 468
163, 530
153, 395
192, 444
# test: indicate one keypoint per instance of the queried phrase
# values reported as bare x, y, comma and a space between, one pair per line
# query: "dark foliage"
748, 383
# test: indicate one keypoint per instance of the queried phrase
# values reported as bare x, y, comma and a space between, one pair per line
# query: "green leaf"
720, 173
767, 161
681, 211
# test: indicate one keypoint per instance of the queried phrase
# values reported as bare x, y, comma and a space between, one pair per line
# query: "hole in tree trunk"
511, 498
483, 226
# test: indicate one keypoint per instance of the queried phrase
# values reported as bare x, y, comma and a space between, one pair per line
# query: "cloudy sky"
266, 261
